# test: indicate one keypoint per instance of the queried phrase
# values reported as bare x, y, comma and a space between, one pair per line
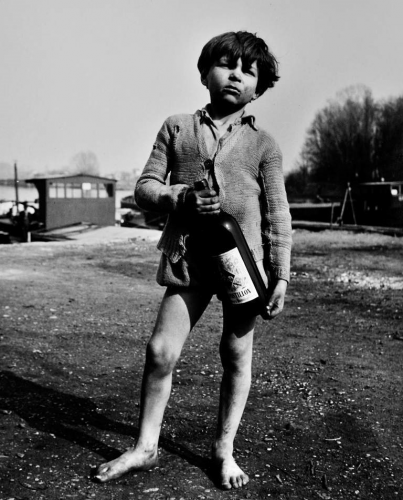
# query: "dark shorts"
188, 271
194, 269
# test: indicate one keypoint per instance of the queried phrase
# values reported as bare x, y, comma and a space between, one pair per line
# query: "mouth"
232, 90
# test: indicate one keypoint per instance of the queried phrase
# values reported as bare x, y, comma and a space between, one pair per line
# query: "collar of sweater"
243, 118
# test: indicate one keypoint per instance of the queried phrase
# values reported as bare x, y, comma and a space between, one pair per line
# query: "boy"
243, 166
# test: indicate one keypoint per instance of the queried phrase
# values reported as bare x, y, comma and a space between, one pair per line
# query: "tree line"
354, 139
86, 162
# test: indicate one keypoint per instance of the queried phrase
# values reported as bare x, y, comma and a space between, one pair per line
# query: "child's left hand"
276, 301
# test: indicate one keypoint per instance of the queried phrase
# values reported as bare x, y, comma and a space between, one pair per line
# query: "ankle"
222, 449
149, 448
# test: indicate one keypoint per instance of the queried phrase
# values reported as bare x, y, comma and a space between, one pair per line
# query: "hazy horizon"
102, 75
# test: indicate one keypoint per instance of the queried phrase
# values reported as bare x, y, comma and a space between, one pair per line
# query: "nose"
236, 71
235, 75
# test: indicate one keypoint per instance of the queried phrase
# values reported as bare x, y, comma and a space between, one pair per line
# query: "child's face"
232, 83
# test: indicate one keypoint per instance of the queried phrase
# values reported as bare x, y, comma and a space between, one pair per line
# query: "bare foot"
229, 474
132, 459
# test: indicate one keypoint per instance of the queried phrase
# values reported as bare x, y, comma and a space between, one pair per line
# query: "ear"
254, 97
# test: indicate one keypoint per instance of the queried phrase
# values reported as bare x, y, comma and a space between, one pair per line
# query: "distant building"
72, 199
379, 203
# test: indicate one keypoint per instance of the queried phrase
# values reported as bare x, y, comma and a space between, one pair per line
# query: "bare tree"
84, 162
339, 147
389, 140
353, 139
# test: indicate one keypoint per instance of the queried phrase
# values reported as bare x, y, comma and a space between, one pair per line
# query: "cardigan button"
208, 164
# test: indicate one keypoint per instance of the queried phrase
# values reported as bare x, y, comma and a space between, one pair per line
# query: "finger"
210, 200
209, 209
208, 204
207, 201
209, 214
274, 309
207, 193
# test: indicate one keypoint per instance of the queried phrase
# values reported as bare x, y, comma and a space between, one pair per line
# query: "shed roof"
382, 183
70, 177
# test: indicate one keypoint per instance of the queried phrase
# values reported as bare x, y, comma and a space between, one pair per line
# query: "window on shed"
57, 190
90, 190
73, 190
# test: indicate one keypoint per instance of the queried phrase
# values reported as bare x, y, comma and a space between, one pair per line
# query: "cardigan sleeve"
276, 218
152, 191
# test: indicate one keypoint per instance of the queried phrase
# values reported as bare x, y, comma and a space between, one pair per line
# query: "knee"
160, 357
235, 359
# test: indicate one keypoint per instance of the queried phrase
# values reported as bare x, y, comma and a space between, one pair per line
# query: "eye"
250, 71
223, 62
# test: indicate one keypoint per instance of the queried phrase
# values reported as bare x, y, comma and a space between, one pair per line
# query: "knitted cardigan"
248, 172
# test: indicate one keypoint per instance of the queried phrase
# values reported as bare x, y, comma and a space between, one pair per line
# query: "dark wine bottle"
239, 277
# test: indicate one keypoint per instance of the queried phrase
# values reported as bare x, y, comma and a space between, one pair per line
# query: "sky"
102, 75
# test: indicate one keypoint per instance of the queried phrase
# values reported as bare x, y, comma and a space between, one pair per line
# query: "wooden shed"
379, 203
72, 199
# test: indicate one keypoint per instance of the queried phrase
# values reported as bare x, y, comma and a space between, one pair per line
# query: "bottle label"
235, 277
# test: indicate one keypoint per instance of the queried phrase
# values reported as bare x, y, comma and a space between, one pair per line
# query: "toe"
226, 485
239, 481
102, 473
100, 477
234, 482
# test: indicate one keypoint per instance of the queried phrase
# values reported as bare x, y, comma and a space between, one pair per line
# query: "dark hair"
246, 46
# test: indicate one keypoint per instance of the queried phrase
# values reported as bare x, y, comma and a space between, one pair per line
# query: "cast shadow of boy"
68, 416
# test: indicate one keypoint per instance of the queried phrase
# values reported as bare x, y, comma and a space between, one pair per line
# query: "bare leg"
236, 357
179, 312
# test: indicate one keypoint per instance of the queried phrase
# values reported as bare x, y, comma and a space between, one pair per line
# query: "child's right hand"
205, 202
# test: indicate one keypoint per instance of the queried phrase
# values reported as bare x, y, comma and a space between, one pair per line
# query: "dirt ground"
325, 413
